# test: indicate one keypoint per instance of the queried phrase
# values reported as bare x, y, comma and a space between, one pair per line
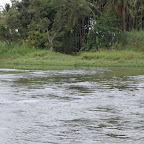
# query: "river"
78, 106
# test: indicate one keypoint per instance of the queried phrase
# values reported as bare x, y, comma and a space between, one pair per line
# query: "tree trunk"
51, 45
124, 25
50, 40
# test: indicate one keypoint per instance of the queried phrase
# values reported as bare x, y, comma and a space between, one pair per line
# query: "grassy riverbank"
31, 58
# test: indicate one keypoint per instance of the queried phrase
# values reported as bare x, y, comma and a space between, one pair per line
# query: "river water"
79, 106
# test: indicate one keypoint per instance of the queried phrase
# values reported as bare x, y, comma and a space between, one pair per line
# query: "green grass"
134, 41
24, 57
114, 55
8, 49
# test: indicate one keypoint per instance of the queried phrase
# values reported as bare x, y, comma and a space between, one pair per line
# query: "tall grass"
134, 41
135, 38
10, 49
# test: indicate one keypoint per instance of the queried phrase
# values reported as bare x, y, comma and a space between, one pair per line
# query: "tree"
9, 23
65, 16
102, 33
121, 8
25, 16
36, 36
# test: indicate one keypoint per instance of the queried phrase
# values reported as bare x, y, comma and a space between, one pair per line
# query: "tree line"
70, 25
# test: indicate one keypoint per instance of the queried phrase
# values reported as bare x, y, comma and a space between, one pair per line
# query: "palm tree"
6, 8
122, 8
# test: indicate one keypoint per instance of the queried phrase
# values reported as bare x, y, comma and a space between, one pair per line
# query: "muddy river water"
78, 106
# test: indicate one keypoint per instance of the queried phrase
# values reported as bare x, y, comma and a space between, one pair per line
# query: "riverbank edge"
44, 59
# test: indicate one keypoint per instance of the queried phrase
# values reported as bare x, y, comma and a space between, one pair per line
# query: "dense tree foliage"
70, 25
